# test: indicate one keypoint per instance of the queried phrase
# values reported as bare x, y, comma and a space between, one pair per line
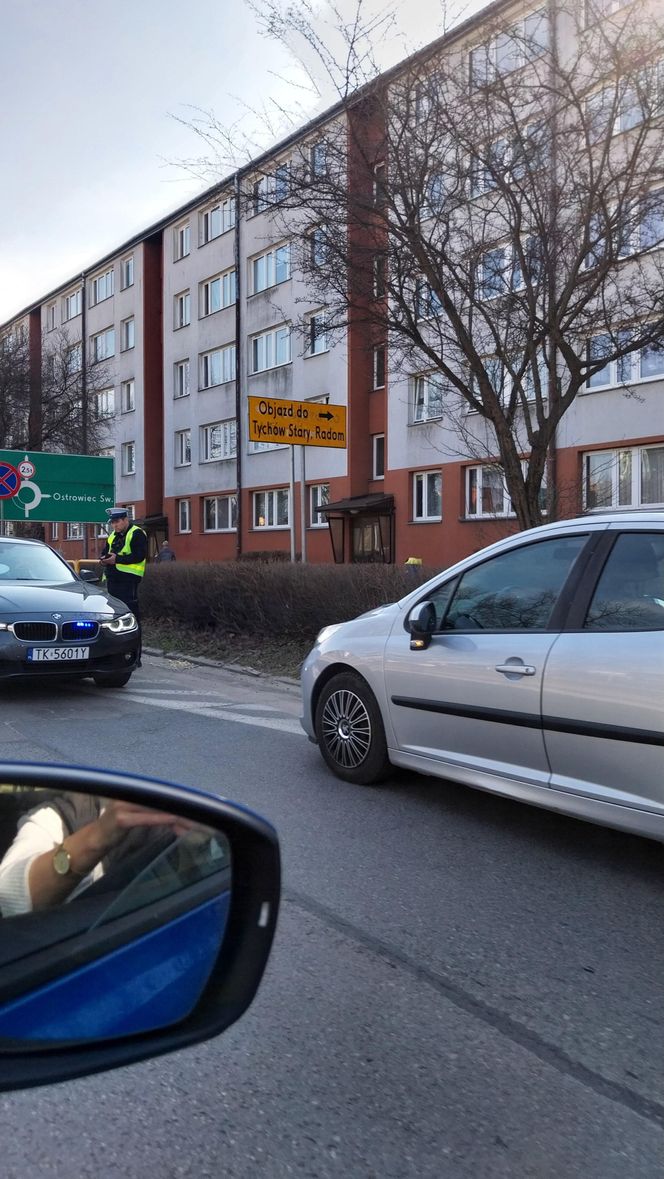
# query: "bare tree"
496, 216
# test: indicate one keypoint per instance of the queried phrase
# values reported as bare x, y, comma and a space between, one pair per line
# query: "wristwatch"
62, 862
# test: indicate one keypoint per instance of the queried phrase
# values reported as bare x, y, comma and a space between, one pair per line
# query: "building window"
127, 272
181, 379
217, 367
319, 495
55, 531
270, 268
127, 398
427, 301
270, 349
427, 495
317, 337
524, 41
271, 508
219, 513
182, 310
103, 345
217, 220
379, 367
379, 185
260, 194
50, 317
632, 477
378, 463
184, 515
104, 404
318, 158
127, 334
183, 448
71, 305
427, 401
74, 532
218, 441
379, 276
217, 292
128, 454
318, 247
73, 360
181, 241
644, 364
486, 492
102, 287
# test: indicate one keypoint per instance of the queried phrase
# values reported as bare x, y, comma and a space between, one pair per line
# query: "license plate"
57, 654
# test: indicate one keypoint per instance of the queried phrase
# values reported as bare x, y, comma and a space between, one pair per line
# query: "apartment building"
216, 303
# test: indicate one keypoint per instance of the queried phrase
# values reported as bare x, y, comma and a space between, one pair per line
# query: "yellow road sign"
298, 423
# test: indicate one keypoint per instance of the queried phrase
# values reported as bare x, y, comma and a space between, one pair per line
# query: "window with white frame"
181, 378
217, 219
71, 305
643, 224
318, 158
319, 496
127, 334
102, 287
55, 531
281, 182
127, 396
270, 268
317, 334
486, 492
379, 185
219, 513
50, 317
643, 364
104, 404
523, 41
427, 302
318, 246
270, 349
596, 10
182, 309
216, 293
50, 366
260, 195
181, 241
74, 359
379, 367
183, 448
427, 495
127, 272
378, 452
218, 441
628, 477
427, 397
184, 515
103, 345
216, 367
128, 458
379, 276
74, 532
271, 508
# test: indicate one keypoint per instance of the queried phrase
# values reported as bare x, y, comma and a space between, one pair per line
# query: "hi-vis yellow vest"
139, 568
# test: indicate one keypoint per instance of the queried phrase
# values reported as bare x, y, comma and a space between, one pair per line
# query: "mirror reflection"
113, 914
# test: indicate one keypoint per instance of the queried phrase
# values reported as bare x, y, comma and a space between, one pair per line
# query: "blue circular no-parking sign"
10, 481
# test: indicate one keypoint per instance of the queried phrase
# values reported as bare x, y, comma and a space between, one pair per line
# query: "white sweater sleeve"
40, 831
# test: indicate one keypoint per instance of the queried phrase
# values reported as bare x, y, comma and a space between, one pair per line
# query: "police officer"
123, 559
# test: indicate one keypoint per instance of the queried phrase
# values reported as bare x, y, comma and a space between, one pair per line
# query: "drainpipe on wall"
84, 399
239, 348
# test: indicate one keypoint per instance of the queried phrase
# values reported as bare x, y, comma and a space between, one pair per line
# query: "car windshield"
31, 562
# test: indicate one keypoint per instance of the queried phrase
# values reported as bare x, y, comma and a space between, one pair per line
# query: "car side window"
516, 590
630, 591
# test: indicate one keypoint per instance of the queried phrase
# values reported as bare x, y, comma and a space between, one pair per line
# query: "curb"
204, 661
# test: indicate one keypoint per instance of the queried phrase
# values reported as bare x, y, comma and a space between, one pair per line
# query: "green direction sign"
68, 487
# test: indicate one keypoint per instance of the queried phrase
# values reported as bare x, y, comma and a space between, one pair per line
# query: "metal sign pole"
303, 503
292, 503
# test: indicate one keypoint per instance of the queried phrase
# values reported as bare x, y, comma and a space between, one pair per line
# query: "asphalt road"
460, 986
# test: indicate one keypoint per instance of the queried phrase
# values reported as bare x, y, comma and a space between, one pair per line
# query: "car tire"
112, 679
350, 732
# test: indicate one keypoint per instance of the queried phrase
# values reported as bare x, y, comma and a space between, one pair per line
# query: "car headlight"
121, 625
326, 633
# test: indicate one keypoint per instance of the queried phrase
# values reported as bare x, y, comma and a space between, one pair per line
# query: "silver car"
533, 669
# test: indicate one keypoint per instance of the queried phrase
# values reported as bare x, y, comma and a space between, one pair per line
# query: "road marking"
219, 712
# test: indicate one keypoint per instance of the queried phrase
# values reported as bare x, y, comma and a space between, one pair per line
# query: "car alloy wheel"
350, 730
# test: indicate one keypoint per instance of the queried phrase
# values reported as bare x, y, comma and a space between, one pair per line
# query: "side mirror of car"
421, 623
90, 575
162, 944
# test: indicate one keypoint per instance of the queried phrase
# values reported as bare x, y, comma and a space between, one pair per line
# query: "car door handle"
515, 669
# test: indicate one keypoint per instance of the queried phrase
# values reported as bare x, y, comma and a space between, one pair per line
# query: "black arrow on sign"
327, 415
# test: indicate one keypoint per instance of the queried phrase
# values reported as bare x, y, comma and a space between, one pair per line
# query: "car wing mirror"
421, 623
161, 943
92, 575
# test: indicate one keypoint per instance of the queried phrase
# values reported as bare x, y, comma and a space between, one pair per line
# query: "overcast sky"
87, 91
